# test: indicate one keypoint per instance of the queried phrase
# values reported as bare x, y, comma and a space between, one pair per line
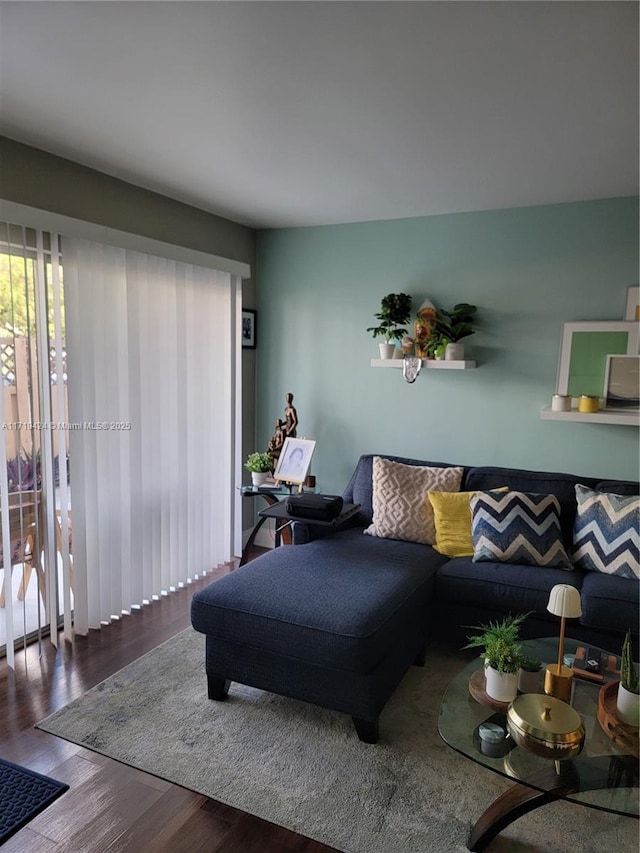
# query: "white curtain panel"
152, 364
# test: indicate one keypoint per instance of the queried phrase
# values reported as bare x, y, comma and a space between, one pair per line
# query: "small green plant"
499, 640
456, 324
530, 664
259, 463
628, 673
436, 345
394, 315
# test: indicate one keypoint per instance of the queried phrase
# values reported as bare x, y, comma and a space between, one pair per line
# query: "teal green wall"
527, 269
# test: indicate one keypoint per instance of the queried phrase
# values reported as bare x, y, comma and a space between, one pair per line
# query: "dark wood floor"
109, 806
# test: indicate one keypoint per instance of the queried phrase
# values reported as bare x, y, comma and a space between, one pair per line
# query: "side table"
278, 510
272, 496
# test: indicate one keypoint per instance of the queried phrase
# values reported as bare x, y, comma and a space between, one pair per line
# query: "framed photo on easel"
294, 461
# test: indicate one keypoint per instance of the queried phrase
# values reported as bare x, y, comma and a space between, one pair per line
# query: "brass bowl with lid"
545, 726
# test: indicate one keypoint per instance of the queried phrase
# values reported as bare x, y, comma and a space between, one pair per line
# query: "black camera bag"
315, 507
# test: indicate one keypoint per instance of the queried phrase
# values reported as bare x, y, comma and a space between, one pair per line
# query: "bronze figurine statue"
285, 428
276, 441
290, 417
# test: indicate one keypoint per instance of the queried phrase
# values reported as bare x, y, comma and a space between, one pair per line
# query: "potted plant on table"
260, 465
529, 674
502, 655
452, 326
628, 700
393, 317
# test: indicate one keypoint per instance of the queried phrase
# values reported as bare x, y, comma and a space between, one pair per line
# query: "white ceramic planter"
502, 686
258, 478
454, 352
528, 682
628, 706
386, 350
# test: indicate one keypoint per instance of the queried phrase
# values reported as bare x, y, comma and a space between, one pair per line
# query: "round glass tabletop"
602, 776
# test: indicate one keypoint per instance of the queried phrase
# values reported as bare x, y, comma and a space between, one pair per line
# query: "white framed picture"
294, 460
622, 382
584, 351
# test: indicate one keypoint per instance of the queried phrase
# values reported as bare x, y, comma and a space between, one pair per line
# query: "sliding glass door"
34, 493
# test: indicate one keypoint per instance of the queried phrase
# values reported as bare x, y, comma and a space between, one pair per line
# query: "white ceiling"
304, 113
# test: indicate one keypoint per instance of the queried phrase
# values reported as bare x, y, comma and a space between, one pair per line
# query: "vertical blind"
152, 363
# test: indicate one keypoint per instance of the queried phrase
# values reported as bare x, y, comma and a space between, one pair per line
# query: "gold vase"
556, 683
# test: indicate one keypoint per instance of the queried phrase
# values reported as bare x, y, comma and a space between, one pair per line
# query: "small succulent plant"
628, 672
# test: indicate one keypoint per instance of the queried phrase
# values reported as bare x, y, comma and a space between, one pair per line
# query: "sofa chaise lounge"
337, 619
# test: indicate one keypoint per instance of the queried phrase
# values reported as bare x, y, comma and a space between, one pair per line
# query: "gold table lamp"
564, 601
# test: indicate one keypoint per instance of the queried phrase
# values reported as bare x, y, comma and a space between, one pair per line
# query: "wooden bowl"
624, 736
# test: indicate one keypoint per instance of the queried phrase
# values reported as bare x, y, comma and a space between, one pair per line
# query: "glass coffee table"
603, 776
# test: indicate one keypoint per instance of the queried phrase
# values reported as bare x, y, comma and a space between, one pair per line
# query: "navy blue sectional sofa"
337, 619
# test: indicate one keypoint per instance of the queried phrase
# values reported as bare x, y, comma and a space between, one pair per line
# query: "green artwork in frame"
589, 351
583, 356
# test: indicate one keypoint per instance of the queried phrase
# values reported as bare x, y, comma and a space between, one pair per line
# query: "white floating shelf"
601, 417
427, 363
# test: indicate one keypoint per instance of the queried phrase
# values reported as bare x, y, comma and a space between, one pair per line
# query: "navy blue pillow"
517, 527
605, 535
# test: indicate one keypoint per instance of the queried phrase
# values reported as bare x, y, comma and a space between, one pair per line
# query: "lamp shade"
564, 600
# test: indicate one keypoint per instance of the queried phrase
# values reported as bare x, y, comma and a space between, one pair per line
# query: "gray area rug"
303, 767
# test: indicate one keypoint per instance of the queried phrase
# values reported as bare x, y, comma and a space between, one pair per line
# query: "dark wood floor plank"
132, 773
177, 824
110, 806
102, 833
28, 841
39, 750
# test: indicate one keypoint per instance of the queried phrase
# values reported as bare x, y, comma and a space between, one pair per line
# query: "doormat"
23, 795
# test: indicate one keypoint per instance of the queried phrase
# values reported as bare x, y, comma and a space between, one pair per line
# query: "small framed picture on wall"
248, 329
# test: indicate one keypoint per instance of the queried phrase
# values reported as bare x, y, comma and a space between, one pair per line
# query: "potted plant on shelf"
628, 700
260, 465
436, 346
452, 326
502, 655
529, 674
393, 317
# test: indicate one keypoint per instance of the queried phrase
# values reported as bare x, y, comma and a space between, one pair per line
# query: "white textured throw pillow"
401, 506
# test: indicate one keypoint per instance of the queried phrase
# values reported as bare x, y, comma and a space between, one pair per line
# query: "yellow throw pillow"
452, 517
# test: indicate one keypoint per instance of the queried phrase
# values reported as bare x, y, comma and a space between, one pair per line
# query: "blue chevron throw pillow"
605, 533
517, 527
